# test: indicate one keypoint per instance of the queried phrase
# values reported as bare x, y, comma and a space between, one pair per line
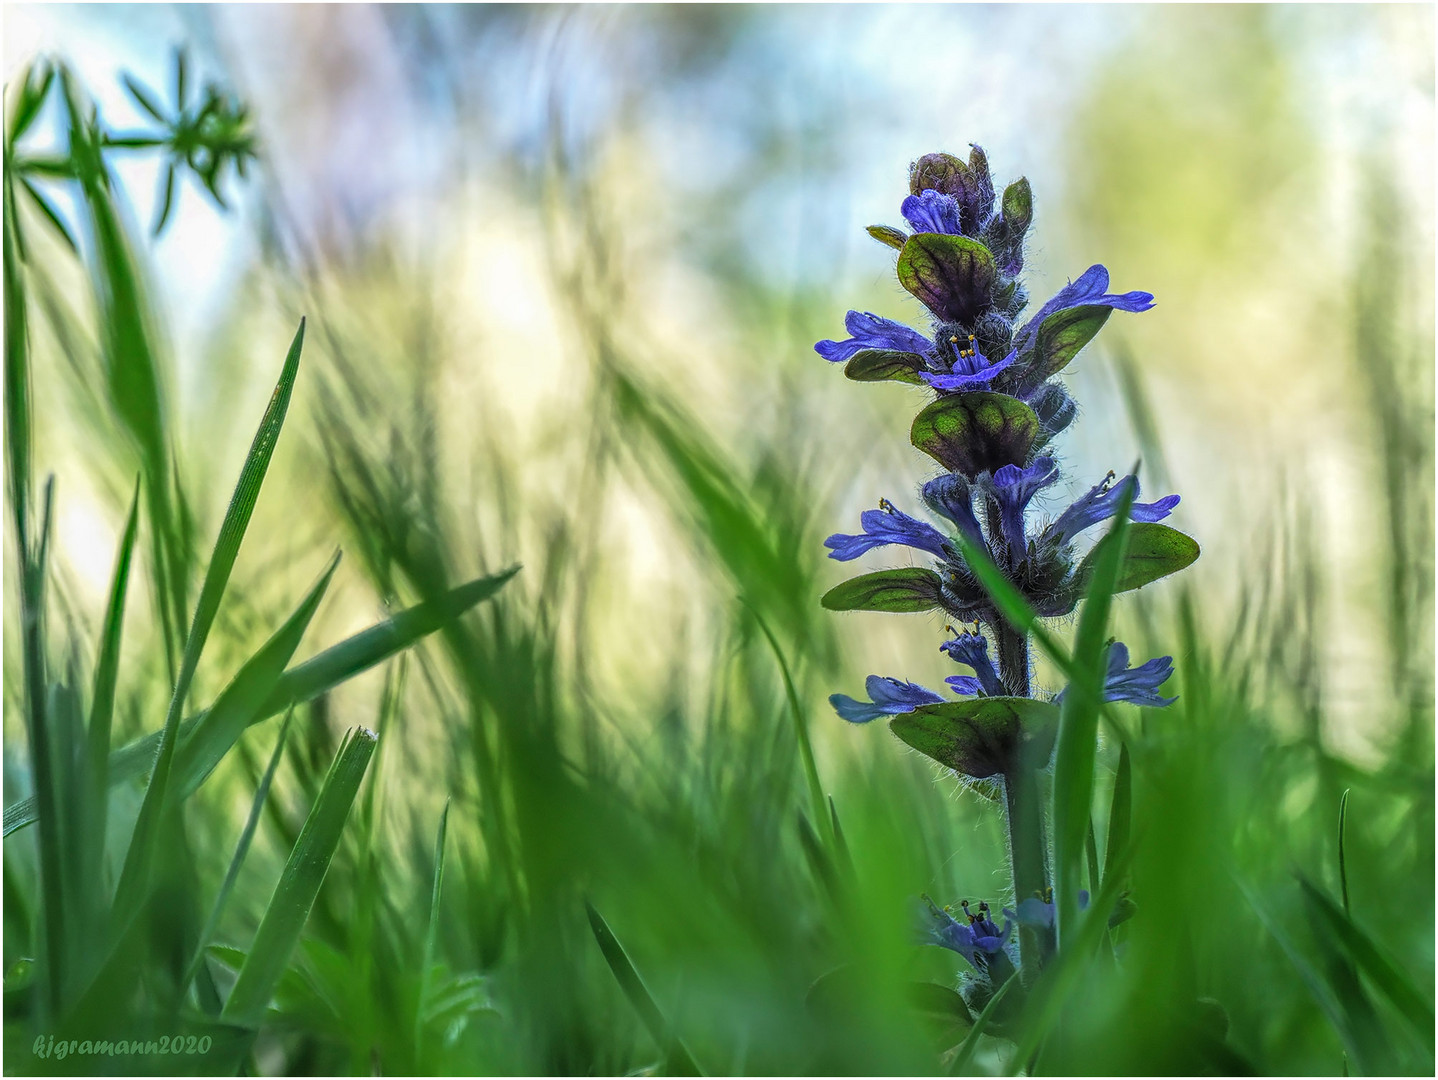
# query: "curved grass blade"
1369, 958
1342, 850
299, 883
51, 215
1064, 976
971, 1040
238, 706
237, 860
102, 704
308, 680
677, 1059
801, 727
1358, 1043
1078, 725
135, 875
431, 937
1120, 812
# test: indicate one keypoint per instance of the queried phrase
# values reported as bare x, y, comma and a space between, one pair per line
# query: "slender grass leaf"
308, 680
299, 883
135, 875
1370, 959
102, 703
51, 215
34, 88
143, 97
431, 936
1120, 811
237, 860
1064, 976
906, 589
1357, 1041
239, 705
677, 1058
1343, 851
965, 1053
801, 726
1078, 724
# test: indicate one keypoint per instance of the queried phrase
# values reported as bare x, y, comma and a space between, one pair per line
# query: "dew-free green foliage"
595, 758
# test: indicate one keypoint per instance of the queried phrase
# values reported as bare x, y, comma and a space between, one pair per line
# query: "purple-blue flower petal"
973, 649
1101, 503
869, 331
976, 376
890, 697
965, 685
1139, 685
886, 526
1014, 489
932, 212
1088, 290
950, 496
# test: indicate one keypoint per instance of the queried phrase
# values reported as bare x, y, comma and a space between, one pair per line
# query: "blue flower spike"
993, 403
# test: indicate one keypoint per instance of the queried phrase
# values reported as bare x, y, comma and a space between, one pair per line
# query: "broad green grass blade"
308, 680
102, 703
970, 1044
299, 883
17, 380
135, 876
242, 849
1120, 811
431, 936
1064, 976
677, 1059
1078, 725
1370, 959
239, 705
1360, 1044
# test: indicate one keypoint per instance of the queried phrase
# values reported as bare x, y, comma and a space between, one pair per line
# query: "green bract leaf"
974, 432
879, 365
952, 275
887, 234
979, 737
1154, 551
909, 588
1018, 205
1062, 335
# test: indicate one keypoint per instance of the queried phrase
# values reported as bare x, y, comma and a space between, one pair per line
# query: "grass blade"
801, 727
238, 706
1342, 850
299, 883
102, 703
1370, 959
135, 876
1078, 725
308, 680
242, 849
677, 1059
431, 936
1120, 811
971, 1040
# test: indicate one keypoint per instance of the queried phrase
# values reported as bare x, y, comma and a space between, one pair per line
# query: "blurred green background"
563, 269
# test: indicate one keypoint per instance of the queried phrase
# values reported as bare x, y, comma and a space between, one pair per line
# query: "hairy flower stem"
1024, 803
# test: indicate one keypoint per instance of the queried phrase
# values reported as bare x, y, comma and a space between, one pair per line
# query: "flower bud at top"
937, 172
